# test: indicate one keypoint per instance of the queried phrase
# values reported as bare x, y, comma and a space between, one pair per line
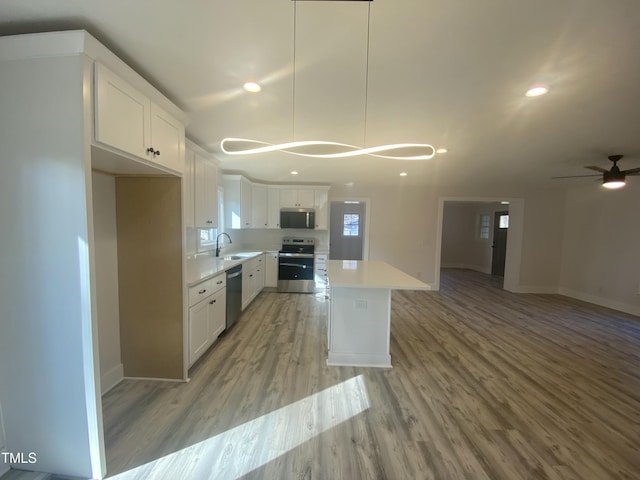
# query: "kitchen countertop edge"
203, 270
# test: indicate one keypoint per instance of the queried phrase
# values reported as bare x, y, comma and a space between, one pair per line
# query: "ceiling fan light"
613, 184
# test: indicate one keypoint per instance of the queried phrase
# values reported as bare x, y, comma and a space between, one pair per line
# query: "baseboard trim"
603, 302
464, 266
534, 289
112, 378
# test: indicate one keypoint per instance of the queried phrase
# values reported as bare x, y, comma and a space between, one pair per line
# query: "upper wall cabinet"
296, 198
206, 192
257, 205
237, 201
127, 120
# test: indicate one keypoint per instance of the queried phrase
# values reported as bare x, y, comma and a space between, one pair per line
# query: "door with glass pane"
346, 240
499, 246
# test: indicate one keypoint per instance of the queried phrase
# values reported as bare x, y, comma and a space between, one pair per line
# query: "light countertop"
370, 274
201, 269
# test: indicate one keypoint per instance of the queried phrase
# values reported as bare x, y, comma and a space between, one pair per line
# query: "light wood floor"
485, 385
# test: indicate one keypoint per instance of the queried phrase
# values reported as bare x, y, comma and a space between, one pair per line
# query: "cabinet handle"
219, 282
156, 153
251, 275
202, 291
209, 222
212, 302
150, 150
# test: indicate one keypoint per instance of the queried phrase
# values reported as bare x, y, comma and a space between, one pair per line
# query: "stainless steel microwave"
297, 218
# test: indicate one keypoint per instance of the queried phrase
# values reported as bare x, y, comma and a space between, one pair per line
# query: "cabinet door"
245, 203
321, 207
271, 269
189, 189
247, 287
122, 114
306, 198
289, 198
206, 194
259, 275
273, 201
259, 206
167, 139
198, 330
217, 314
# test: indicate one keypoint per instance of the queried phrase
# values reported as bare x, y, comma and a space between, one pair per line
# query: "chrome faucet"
218, 244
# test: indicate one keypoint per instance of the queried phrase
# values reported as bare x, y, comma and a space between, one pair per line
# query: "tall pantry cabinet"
49, 284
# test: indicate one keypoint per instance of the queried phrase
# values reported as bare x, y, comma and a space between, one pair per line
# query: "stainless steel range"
295, 265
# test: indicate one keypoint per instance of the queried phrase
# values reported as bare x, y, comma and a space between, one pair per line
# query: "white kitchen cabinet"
188, 189
207, 315
321, 205
253, 279
217, 314
259, 206
271, 270
296, 198
206, 192
198, 330
273, 201
237, 201
127, 120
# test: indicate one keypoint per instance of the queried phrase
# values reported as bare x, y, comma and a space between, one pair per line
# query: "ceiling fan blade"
575, 176
598, 169
631, 171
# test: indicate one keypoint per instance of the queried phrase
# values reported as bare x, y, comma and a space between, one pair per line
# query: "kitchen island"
359, 314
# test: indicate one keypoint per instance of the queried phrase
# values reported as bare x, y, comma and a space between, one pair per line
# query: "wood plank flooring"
485, 384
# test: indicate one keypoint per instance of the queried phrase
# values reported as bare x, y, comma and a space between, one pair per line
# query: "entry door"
500, 229
346, 239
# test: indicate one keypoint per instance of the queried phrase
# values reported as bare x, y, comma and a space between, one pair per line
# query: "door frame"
513, 258
367, 220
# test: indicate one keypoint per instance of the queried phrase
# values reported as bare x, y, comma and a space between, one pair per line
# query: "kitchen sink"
233, 257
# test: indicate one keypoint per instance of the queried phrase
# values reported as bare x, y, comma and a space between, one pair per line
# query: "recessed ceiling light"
252, 87
293, 172
537, 91
403, 174
441, 150
349, 184
504, 203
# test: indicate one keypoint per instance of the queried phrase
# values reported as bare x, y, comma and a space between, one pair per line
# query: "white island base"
359, 318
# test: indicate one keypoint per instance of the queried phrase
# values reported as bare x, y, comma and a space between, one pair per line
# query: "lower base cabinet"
253, 277
207, 320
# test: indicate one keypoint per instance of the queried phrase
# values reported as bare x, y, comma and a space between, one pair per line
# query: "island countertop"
370, 274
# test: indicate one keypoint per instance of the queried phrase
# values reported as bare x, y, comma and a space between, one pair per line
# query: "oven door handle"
296, 255
292, 265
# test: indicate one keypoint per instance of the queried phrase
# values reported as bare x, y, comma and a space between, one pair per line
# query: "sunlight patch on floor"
246, 447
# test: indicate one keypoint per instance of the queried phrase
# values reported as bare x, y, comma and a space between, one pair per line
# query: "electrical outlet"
361, 305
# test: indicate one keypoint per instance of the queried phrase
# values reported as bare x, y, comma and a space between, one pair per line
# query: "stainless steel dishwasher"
234, 294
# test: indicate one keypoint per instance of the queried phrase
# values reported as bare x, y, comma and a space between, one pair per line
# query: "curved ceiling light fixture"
244, 146
326, 149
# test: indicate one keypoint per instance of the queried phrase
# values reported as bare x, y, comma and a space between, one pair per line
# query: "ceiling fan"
613, 178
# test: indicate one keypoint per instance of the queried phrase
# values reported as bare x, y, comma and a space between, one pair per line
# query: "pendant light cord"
366, 75
293, 103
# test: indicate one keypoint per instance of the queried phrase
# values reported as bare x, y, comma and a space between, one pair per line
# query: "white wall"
106, 262
404, 229
601, 252
48, 388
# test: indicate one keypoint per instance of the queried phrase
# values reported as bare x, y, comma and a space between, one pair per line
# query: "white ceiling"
446, 72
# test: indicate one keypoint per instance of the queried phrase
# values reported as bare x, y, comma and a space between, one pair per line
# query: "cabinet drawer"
219, 282
200, 291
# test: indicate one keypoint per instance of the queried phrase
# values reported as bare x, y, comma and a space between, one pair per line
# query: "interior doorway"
473, 236
499, 245
347, 230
